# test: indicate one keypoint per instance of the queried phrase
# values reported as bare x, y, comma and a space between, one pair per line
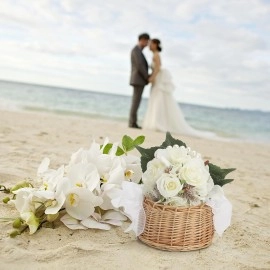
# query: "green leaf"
120, 151
218, 174
127, 143
108, 147
139, 140
170, 141
146, 155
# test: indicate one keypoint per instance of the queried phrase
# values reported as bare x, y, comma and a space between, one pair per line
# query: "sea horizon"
232, 123
127, 95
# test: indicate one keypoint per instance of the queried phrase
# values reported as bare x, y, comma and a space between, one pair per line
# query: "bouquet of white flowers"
173, 174
184, 200
104, 185
93, 191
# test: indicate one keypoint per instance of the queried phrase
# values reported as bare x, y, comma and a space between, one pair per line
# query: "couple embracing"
163, 112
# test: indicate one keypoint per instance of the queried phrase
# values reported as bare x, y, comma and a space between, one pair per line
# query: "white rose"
178, 155
204, 190
177, 201
168, 185
155, 168
195, 173
173, 155
163, 156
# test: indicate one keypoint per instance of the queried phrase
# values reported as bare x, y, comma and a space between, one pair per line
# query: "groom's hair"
143, 36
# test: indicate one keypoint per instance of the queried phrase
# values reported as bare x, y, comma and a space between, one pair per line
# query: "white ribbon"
131, 199
222, 213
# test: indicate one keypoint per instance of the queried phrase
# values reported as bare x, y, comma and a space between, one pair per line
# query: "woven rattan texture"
177, 228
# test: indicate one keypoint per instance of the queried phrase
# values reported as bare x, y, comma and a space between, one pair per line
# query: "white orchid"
48, 176
84, 175
81, 202
24, 200
86, 155
85, 189
116, 173
133, 170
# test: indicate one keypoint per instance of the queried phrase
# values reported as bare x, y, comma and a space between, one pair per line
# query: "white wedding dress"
163, 112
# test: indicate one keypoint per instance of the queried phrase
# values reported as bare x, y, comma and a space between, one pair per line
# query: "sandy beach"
27, 137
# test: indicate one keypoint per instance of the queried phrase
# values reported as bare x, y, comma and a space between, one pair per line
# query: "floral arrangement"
173, 174
105, 185
93, 191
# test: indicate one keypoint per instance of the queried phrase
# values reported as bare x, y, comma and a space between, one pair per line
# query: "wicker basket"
177, 228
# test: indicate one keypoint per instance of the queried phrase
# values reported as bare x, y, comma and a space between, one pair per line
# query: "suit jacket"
139, 68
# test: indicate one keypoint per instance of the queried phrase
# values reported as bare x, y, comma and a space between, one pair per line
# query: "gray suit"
138, 79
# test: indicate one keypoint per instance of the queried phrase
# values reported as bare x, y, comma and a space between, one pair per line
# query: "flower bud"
14, 233
20, 185
52, 217
6, 200
17, 223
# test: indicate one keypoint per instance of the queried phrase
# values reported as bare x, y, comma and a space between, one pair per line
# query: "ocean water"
231, 123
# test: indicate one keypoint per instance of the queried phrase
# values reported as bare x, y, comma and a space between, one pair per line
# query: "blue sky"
217, 51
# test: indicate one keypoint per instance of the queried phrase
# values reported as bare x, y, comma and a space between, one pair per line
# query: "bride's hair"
157, 42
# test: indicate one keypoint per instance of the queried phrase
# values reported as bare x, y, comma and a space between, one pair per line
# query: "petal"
117, 175
110, 191
93, 224
113, 222
72, 223
113, 149
31, 220
137, 176
44, 194
23, 201
60, 200
44, 166
116, 215
76, 157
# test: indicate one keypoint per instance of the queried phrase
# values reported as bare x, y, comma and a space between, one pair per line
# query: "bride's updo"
157, 43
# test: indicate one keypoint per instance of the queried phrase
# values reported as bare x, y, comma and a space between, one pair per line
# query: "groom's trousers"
136, 100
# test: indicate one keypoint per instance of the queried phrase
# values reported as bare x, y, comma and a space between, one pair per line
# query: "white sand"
26, 138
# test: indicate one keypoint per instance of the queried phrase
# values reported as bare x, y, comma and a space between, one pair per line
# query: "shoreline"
27, 137
70, 114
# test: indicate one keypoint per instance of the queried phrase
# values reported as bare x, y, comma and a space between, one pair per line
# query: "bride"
163, 112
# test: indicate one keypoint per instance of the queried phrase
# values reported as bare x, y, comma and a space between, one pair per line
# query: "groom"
139, 77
